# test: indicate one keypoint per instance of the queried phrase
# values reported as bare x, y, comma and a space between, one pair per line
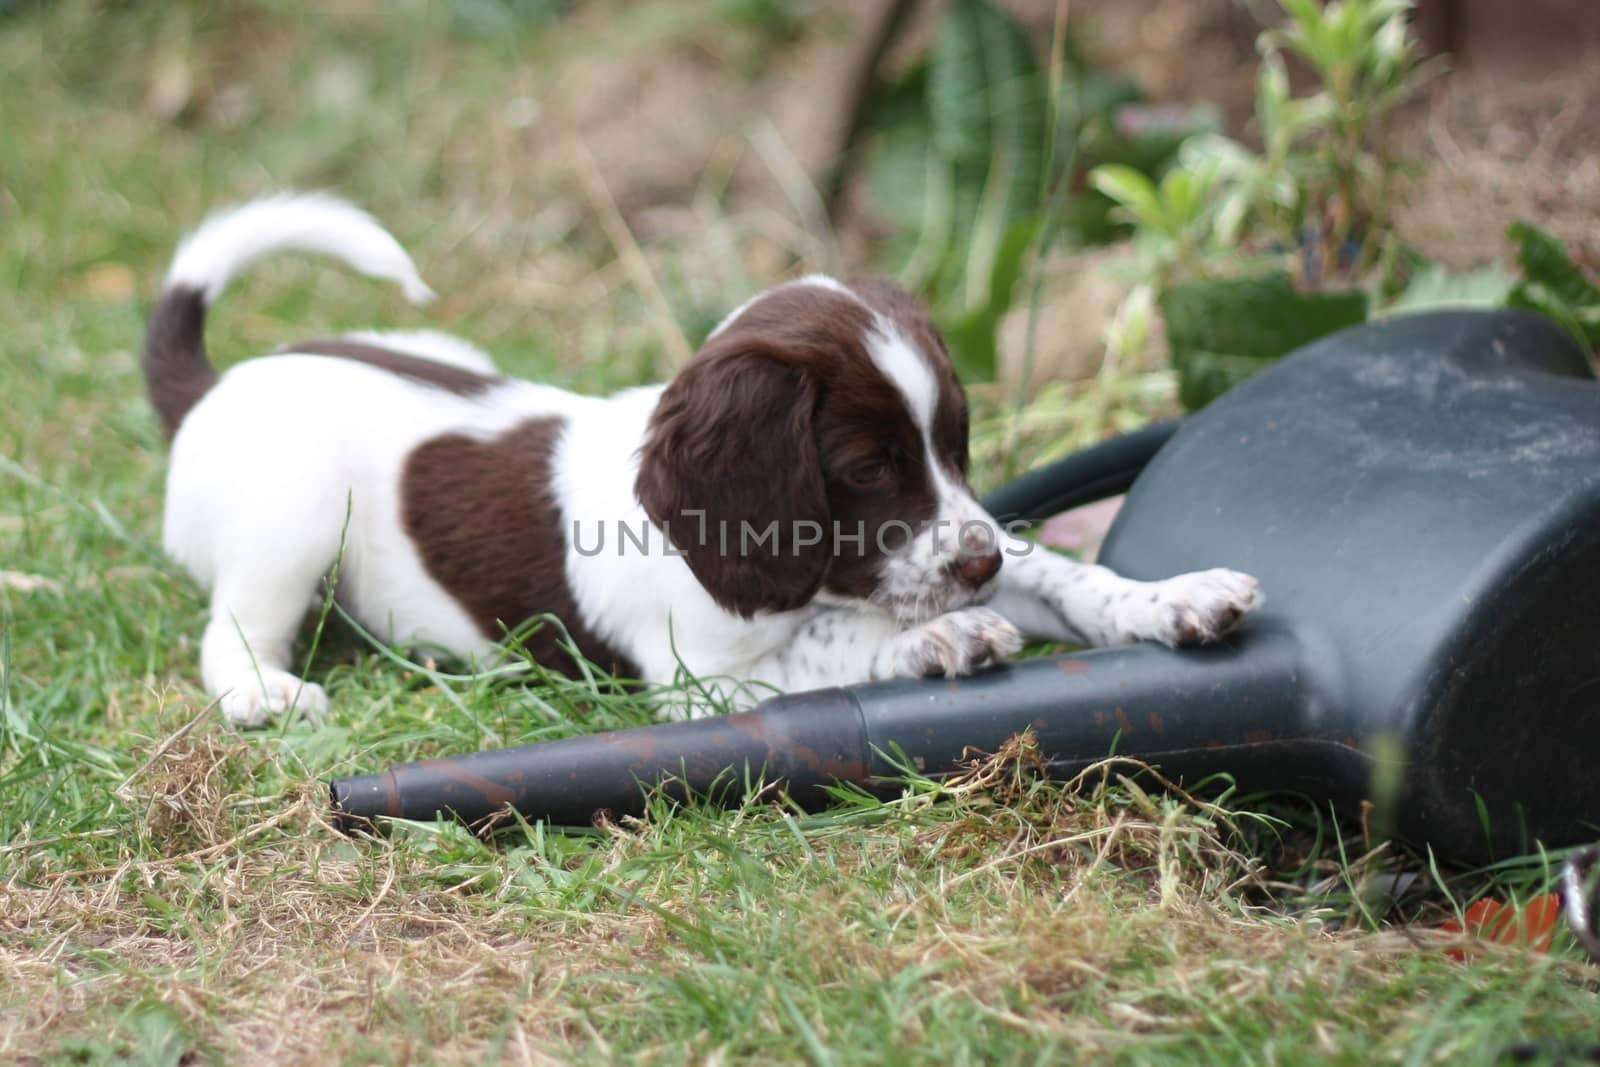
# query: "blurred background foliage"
1108, 207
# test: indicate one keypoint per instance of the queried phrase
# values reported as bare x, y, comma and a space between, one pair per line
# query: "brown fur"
783, 416
444, 376
177, 370
488, 530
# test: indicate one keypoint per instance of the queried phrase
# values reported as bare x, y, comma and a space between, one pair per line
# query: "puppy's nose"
976, 570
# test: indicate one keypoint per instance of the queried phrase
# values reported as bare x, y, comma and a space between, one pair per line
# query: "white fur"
1057, 598
960, 526
289, 458
233, 239
892, 353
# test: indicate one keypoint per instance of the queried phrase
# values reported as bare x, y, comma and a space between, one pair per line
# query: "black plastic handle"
1246, 696
1097, 472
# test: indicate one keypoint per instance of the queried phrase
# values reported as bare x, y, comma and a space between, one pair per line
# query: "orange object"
1532, 926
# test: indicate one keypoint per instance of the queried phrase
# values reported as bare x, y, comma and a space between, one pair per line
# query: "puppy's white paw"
958, 642
259, 696
1190, 609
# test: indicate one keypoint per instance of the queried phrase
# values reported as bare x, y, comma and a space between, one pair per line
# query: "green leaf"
985, 89
958, 98
980, 132
1308, 13
1545, 260
1134, 192
1272, 94
1186, 193
1221, 332
1435, 287
973, 349
908, 183
962, 134
1008, 263
973, 333
1553, 285
899, 175
989, 228
986, 100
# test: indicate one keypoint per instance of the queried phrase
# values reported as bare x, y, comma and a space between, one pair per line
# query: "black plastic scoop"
1421, 500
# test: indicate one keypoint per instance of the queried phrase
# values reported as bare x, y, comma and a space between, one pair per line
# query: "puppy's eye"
870, 474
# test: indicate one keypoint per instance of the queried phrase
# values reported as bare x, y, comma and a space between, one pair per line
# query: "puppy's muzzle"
979, 560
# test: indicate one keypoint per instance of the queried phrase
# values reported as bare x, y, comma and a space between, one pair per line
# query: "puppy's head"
816, 448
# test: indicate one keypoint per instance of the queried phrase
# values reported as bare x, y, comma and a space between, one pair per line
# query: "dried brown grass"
1499, 150
276, 940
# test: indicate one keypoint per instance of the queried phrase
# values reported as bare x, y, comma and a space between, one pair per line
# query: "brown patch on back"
487, 527
432, 372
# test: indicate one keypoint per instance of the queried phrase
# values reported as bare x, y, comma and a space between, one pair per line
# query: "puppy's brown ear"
730, 470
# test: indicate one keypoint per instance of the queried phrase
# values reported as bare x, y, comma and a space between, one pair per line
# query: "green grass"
171, 891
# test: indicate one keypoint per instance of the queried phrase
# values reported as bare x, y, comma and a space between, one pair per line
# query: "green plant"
1175, 221
1367, 63
978, 151
1552, 284
1317, 197
1289, 233
961, 165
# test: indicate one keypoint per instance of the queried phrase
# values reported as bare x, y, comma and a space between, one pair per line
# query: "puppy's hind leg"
256, 611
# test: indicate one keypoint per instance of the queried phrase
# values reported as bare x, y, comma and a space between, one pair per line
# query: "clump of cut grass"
181, 787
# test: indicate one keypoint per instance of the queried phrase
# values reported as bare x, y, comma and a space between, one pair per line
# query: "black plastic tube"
1182, 709
808, 740
1097, 472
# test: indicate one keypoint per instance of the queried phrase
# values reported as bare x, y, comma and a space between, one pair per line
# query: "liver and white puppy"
792, 509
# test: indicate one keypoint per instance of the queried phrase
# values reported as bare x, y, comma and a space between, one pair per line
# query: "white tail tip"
232, 239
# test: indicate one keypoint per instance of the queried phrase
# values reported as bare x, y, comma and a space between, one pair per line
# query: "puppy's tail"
177, 369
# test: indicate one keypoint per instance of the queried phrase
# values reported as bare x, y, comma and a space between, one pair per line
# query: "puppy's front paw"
257, 697
958, 642
1190, 609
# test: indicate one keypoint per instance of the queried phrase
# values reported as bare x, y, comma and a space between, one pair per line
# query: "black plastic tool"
1421, 500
